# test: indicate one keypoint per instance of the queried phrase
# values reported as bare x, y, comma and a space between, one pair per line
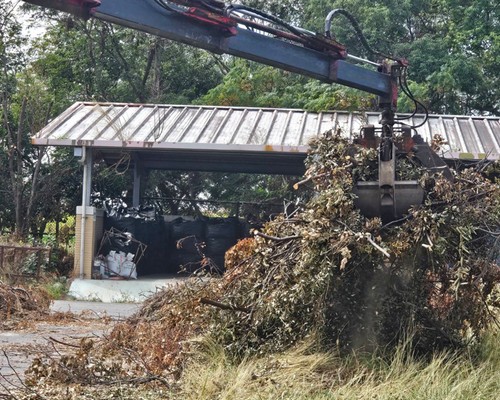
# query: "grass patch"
57, 288
305, 373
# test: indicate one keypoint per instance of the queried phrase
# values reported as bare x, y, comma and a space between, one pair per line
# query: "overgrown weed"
56, 287
303, 373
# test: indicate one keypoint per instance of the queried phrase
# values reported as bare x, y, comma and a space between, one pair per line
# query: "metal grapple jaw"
387, 198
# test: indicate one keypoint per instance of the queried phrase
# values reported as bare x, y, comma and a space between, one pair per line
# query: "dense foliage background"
453, 48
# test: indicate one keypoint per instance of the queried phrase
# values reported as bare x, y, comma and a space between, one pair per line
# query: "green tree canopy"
92, 60
452, 47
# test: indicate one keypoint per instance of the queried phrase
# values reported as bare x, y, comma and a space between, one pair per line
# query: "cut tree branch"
310, 178
223, 306
275, 238
64, 343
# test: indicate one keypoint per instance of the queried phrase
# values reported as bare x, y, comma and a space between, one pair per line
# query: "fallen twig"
63, 343
22, 386
276, 239
223, 306
372, 242
310, 178
13, 370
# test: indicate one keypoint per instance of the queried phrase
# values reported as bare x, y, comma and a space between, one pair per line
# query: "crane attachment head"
387, 198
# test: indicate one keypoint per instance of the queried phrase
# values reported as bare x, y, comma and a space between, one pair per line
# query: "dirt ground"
69, 322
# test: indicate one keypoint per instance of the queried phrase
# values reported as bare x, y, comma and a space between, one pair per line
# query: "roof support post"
138, 171
87, 161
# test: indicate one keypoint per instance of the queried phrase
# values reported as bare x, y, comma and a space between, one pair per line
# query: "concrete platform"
115, 311
120, 291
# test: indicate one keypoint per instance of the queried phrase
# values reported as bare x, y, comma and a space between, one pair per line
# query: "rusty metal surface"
177, 127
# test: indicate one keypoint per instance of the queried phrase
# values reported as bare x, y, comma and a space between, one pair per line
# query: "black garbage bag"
223, 228
221, 234
186, 243
145, 224
181, 228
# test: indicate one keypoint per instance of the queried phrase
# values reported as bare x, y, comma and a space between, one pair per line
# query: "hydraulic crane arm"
222, 34
255, 35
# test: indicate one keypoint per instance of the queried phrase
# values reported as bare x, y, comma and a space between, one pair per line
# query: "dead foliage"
329, 272
166, 321
78, 363
18, 302
357, 282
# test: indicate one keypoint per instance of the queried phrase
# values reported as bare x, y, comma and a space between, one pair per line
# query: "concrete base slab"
115, 311
119, 291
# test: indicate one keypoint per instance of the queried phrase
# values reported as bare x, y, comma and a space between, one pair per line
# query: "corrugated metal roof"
240, 129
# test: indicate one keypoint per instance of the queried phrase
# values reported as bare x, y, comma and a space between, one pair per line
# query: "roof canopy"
239, 139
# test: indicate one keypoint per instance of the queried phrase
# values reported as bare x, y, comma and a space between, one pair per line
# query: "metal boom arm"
210, 25
148, 16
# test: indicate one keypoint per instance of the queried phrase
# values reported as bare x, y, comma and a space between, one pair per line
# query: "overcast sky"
32, 28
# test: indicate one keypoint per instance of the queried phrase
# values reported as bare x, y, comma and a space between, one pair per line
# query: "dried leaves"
17, 301
326, 271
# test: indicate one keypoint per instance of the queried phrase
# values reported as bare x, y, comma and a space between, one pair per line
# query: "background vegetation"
453, 49
283, 288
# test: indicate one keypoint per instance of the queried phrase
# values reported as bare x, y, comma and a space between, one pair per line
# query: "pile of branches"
327, 272
357, 283
18, 302
351, 281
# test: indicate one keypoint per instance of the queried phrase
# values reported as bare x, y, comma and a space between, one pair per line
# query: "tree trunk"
17, 175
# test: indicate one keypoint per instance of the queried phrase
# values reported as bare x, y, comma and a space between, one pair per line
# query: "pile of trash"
115, 264
118, 256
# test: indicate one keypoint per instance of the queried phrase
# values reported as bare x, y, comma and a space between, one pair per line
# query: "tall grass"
304, 373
